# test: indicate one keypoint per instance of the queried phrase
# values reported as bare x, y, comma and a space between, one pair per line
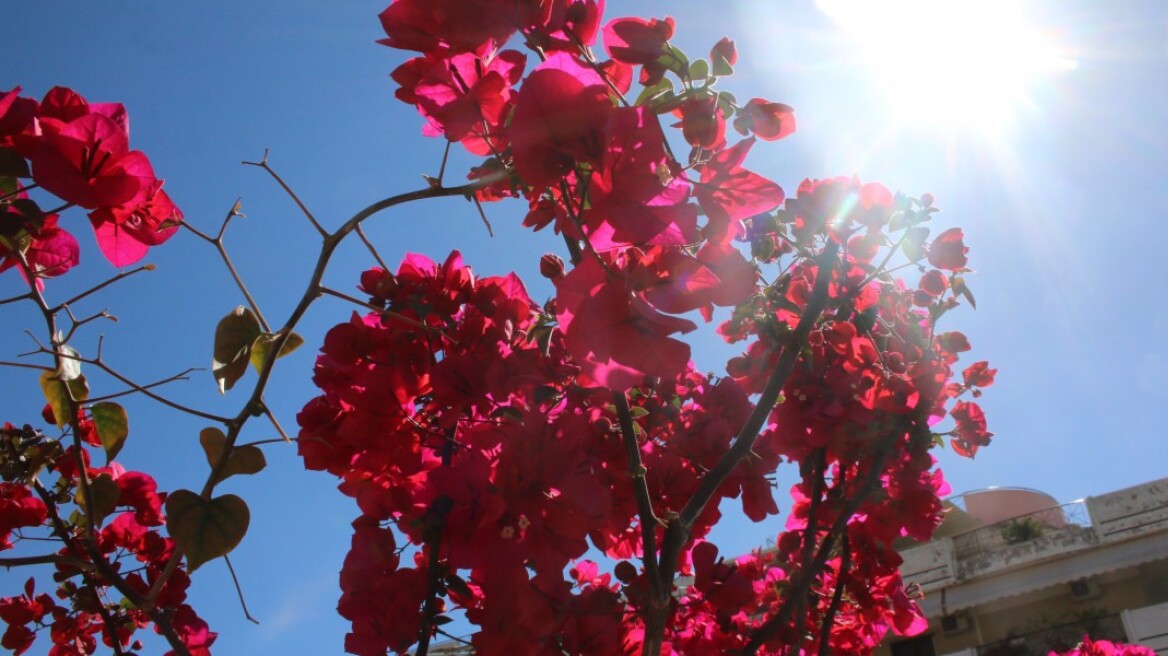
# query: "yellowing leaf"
113, 426
105, 495
58, 394
263, 344
243, 459
205, 530
233, 339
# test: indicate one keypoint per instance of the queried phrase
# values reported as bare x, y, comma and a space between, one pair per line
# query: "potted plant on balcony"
1023, 529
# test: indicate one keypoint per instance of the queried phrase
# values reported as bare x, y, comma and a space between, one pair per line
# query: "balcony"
1039, 535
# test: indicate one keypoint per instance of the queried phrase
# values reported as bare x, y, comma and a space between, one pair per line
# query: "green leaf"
699, 71
58, 394
113, 426
721, 67
245, 460
12, 165
674, 60
234, 336
914, 242
105, 493
263, 344
654, 91
205, 530
637, 411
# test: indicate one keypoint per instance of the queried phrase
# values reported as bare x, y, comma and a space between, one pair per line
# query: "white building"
1012, 572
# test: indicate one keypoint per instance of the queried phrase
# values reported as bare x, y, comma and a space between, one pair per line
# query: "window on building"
919, 646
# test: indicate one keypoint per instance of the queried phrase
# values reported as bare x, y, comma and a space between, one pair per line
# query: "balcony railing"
1027, 537
1059, 638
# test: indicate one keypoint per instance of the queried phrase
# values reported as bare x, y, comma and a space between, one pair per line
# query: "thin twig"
483, 216
157, 383
97, 288
263, 164
145, 390
372, 250
25, 365
274, 440
14, 299
272, 418
46, 559
239, 591
387, 313
219, 246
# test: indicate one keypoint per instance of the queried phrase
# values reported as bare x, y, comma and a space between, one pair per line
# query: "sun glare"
955, 64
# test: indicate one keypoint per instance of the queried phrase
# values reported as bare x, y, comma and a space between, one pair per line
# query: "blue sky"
1061, 196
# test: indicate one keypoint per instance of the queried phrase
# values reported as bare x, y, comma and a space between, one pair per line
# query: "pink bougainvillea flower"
702, 123
948, 250
126, 232
561, 116
636, 40
636, 192
464, 98
49, 250
971, 430
979, 374
615, 337
729, 193
18, 509
456, 26
569, 24
17, 121
769, 121
89, 163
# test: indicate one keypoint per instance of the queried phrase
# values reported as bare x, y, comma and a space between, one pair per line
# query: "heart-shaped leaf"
205, 530
58, 394
243, 459
233, 339
105, 493
263, 344
113, 426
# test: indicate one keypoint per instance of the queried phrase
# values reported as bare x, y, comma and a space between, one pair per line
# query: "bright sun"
955, 64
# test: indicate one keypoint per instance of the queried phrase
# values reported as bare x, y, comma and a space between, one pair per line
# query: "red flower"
948, 250
971, 430
18, 509
615, 337
637, 41
979, 374
768, 121
728, 192
89, 163
561, 116
126, 232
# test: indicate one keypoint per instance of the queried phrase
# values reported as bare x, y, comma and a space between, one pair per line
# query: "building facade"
1011, 572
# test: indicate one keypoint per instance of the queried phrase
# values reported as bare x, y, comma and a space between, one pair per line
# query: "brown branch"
219, 245
158, 383
837, 597
804, 578
263, 164
312, 291
97, 288
678, 532
46, 559
146, 390
648, 519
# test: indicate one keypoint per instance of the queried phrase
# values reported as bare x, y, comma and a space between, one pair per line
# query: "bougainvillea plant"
499, 449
